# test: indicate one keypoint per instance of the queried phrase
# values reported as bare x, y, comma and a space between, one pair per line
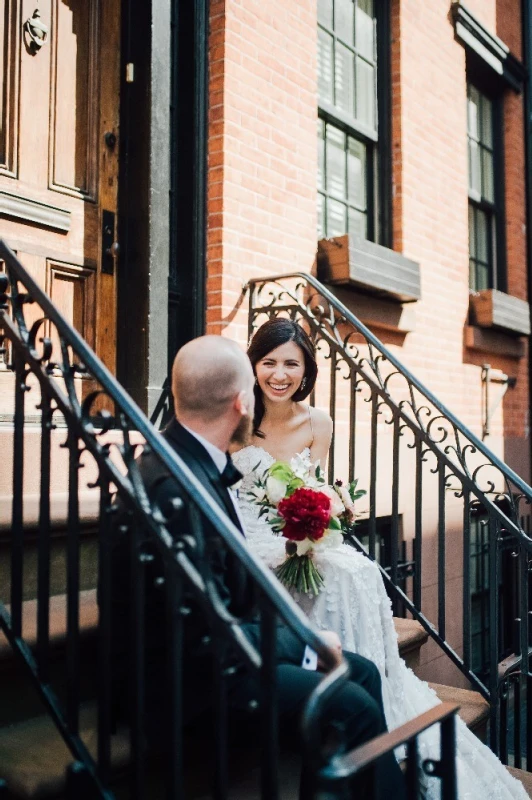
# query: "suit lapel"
199, 460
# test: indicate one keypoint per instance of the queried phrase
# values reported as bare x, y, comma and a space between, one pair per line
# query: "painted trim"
23, 208
492, 50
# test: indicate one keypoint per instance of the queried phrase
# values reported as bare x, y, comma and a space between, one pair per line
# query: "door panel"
57, 174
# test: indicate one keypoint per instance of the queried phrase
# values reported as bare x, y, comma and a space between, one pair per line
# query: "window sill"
498, 310
368, 267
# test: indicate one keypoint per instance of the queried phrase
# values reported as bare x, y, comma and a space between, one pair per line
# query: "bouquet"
308, 513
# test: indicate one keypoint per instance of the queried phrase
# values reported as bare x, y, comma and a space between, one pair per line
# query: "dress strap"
311, 425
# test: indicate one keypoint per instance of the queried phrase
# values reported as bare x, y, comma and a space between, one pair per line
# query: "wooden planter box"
493, 309
368, 267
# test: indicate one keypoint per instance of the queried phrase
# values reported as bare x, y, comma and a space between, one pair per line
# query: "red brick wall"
263, 156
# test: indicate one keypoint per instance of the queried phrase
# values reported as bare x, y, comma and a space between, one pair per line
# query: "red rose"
306, 513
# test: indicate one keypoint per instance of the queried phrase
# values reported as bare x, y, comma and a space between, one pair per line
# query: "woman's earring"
303, 384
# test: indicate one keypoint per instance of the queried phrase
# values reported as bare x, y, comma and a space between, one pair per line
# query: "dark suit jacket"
231, 580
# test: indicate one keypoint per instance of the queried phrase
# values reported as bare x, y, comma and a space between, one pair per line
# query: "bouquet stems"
300, 573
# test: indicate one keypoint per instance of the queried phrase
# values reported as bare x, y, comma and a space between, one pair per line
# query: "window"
484, 212
348, 124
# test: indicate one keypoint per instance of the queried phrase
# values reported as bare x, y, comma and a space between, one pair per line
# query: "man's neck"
214, 432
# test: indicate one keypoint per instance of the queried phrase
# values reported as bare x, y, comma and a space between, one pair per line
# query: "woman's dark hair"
269, 336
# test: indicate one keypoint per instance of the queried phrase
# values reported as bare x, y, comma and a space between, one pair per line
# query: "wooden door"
59, 104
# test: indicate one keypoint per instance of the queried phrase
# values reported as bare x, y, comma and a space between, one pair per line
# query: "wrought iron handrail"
88, 423
339, 314
492, 496
444, 715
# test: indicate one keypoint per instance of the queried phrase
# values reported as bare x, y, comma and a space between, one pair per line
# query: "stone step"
474, 710
410, 634
34, 757
524, 777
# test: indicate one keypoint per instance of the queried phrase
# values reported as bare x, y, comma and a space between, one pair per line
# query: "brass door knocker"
36, 32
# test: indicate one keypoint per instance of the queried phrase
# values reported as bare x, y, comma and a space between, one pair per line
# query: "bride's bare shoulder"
321, 421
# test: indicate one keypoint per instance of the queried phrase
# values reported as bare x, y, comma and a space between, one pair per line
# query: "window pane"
472, 233
482, 279
325, 63
486, 133
336, 221
356, 173
321, 216
325, 13
336, 163
345, 79
488, 192
482, 248
344, 20
474, 169
365, 29
473, 113
365, 93
321, 154
356, 223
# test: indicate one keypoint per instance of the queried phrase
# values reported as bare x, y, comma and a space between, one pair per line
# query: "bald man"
212, 385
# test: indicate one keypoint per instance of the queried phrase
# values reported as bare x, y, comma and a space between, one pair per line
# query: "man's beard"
243, 431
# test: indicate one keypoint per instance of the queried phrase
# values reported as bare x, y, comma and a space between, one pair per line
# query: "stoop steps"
33, 758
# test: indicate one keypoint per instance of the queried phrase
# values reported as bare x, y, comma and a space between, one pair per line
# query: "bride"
353, 601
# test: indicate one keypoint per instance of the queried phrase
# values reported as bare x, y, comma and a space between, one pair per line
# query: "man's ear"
241, 403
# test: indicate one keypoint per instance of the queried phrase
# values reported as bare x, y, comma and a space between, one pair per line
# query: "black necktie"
230, 474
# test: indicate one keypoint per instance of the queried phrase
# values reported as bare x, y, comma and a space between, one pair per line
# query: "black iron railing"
87, 420
433, 481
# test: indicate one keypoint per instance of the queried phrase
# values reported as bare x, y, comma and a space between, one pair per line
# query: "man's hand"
333, 641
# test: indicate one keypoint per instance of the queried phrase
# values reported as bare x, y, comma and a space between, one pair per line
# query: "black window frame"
377, 142
495, 211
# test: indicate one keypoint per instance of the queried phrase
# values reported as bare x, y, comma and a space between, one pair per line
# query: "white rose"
275, 490
303, 547
346, 498
337, 507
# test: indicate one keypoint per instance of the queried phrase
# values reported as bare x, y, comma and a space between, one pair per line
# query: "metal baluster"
418, 533
176, 613
78, 783
269, 711
220, 718
441, 549
493, 551
352, 424
72, 643
448, 758
105, 633
332, 409
466, 583
412, 769
17, 514
395, 509
373, 477
137, 560
503, 690
517, 721
524, 614
43, 567
528, 721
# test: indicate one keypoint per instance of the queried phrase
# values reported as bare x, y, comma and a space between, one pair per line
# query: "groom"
212, 385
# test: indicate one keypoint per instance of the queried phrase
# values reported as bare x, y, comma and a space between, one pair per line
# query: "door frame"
162, 206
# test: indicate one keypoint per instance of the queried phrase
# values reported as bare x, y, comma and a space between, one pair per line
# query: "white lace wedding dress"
354, 603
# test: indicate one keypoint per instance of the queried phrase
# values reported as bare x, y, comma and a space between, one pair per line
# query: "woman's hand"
332, 640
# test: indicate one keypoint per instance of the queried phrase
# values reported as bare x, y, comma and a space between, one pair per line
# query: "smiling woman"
282, 356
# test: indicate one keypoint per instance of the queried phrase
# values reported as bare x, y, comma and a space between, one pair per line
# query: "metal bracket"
489, 376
